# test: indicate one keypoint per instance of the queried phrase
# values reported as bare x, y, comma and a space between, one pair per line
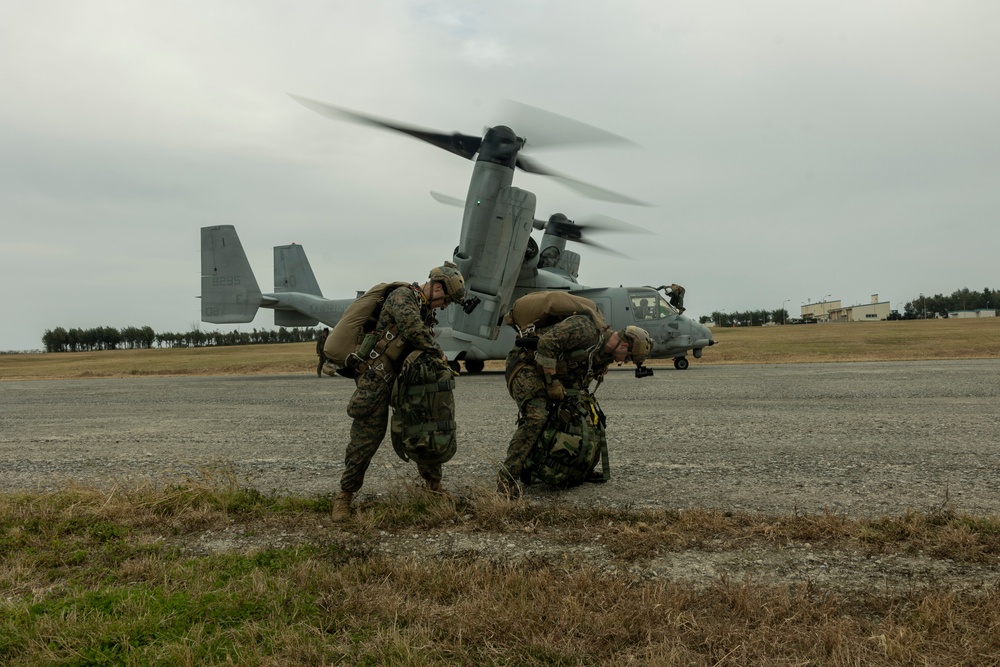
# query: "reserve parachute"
571, 443
423, 409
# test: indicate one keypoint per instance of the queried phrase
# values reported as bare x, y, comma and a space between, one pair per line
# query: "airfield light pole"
826, 306
783, 310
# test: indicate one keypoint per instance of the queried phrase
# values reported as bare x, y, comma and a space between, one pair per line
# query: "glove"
555, 391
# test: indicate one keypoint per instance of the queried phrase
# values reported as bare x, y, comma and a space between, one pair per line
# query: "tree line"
746, 318
940, 305
134, 338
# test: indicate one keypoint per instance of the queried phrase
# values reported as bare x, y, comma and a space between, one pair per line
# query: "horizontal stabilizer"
291, 318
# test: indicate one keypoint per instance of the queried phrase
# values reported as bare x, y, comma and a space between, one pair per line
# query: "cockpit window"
649, 306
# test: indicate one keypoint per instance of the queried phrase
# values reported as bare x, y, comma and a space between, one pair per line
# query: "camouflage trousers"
369, 408
527, 388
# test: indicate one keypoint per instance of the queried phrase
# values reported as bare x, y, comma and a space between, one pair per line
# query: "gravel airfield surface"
859, 439
853, 439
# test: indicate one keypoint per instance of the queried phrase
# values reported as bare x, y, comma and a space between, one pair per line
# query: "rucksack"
423, 409
538, 310
353, 331
571, 442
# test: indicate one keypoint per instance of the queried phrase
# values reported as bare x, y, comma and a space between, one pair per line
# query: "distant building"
875, 311
966, 314
833, 311
819, 312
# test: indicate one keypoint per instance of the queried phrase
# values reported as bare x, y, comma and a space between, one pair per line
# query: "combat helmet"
451, 281
639, 343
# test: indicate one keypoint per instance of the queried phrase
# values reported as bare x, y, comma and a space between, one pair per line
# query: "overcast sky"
791, 149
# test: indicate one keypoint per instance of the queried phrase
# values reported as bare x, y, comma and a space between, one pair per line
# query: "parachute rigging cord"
591, 351
425, 303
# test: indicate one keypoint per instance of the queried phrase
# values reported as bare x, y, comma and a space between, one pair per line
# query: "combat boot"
436, 488
342, 506
507, 486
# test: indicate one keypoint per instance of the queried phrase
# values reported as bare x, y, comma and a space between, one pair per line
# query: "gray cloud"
792, 150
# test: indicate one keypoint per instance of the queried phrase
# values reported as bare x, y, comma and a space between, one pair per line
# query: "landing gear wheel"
455, 366
680, 363
475, 365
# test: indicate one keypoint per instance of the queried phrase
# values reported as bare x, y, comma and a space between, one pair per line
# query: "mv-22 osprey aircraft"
496, 254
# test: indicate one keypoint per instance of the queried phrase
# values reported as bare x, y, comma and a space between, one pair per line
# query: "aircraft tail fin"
229, 290
292, 272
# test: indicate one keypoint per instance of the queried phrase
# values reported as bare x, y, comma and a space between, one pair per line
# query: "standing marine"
320, 343
569, 356
407, 316
676, 295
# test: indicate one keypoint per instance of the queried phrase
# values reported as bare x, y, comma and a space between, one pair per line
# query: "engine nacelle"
492, 259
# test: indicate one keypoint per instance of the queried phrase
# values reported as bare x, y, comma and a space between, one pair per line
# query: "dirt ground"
854, 439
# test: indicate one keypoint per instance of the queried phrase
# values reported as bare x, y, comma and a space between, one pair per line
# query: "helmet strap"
423, 297
444, 292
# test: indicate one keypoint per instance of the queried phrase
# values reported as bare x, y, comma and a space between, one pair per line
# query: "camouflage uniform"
676, 294
369, 405
575, 348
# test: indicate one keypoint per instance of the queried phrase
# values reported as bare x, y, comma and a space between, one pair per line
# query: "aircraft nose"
702, 338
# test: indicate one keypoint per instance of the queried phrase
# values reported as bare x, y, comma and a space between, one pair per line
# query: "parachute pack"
538, 310
571, 442
351, 341
423, 410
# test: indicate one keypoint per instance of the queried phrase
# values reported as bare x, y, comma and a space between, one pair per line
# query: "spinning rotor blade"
586, 189
448, 199
603, 248
542, 129
601, 223
573, 232
553, 130
460, 144
561, 226
597, 222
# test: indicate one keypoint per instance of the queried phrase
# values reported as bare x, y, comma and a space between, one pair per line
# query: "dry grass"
858, 341
109, 577
237, 360
855, 341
